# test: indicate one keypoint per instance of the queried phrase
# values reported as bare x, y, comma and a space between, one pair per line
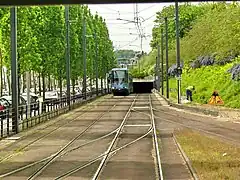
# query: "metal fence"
36, 113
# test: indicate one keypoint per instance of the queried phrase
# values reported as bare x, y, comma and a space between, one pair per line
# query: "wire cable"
147, 8
129, 43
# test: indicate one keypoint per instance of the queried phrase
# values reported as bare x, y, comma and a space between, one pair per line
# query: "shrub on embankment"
207, 79
209, 47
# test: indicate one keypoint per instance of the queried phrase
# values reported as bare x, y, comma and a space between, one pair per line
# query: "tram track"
113, 148
208, 132
185, 158
19, 149
194, 127
48, 160
123, 138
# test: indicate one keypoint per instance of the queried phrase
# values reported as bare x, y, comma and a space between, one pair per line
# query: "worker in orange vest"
215, 99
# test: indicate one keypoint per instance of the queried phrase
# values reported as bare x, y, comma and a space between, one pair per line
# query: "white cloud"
120, 30
123, 33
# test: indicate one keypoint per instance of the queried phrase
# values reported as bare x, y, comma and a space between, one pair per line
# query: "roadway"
111, 138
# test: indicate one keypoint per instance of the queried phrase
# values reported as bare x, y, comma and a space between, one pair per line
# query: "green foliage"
42, 45
188, 14
206, 80
217, 32
206, 29
125, 55
146, 66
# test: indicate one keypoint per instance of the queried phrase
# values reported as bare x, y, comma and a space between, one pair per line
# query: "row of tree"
42, 42
205, 29
209, 34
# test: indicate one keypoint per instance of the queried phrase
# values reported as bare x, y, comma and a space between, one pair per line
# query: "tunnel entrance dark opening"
142, 87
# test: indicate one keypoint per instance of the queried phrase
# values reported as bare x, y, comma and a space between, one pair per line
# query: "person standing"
189, 91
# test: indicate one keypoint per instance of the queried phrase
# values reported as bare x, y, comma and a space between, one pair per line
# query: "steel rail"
159, 166
187, 161
201, 130
40, 170
100, 156
55, 155
113, 141
45, 135
61, 155
188, 118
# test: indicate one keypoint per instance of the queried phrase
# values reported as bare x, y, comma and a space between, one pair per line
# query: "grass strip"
211, 158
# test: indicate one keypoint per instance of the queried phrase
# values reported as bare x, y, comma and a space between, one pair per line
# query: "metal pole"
158, 66
1, 76
14, 70
68, 55
84, 59
178, 53
162, 69
28, 74
155, 77
96, 62
166, 36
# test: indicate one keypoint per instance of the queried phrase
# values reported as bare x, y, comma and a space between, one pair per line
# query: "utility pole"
28, 75
68, 55
14, 70
166, 43
1, 73
178, 53
158, 68
84, 59
155, 77
162, 68
96, 61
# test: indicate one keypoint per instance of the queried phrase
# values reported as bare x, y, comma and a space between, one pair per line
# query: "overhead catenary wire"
114, 10
149, 18
147, 8
129, 43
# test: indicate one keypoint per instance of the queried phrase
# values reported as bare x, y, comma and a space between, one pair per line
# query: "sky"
124, 34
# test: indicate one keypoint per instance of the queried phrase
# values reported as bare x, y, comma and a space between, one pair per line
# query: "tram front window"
120, 77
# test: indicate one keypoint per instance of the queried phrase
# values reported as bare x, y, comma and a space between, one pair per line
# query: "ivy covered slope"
210, 49
211, 55
42, 42
188, 15
209, 78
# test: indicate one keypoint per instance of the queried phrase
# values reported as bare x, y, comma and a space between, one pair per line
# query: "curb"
190, 108
188, 162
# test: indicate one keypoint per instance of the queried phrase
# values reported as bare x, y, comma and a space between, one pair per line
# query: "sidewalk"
216, 111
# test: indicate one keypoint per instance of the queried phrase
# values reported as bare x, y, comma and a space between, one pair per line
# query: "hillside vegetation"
209, 78
210, 36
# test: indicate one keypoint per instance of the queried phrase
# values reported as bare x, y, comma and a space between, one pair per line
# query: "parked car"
52, 97
34, 101
3, 108
22, 103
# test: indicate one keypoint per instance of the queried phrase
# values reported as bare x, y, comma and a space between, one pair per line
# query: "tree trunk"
4, 80
73, 86
43, 85
60, 86
39, 84
30, 76
9, 82
24, 87
49, 82
19, 89
1, 73
34, 83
